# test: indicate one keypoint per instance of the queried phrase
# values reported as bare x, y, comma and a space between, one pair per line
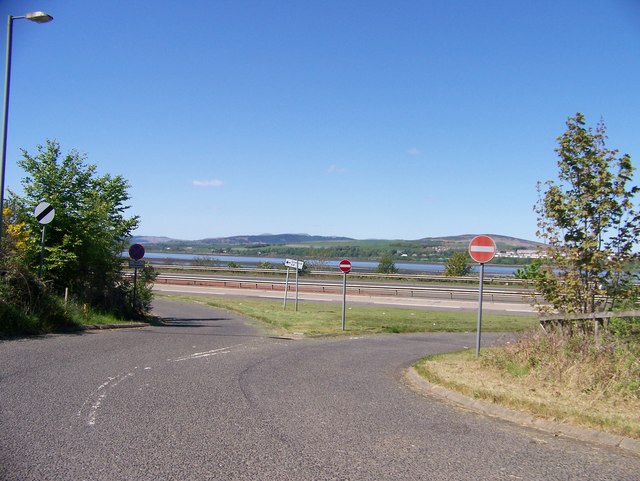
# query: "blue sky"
367, 119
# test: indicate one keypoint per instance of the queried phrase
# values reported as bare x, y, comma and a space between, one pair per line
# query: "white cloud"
413, 151
208, 183
334, 169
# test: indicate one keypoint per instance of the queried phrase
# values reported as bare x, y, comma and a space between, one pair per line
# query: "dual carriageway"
401, 290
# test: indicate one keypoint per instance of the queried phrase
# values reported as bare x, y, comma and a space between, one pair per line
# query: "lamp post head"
38, 17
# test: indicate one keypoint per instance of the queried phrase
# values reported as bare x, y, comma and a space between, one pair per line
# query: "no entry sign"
345, 266
482, 248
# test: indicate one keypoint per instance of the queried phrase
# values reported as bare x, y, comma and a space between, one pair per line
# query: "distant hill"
503, 242
272, 239
148, 239
454, 242
267, 239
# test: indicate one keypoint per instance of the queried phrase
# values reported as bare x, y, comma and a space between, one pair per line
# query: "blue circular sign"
136, 252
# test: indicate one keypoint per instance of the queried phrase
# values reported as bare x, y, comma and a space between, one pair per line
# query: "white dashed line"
213, 352
96, 398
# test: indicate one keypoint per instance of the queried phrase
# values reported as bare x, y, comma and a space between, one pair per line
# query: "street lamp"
38, 17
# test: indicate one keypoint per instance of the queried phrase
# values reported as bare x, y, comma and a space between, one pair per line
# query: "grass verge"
575, 381
84, 316
325, 319
14, 322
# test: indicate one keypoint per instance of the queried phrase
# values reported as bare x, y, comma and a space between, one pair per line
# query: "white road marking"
197, 355
96, 398
213, 352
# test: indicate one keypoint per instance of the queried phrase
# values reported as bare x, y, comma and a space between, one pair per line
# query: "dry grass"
571, 379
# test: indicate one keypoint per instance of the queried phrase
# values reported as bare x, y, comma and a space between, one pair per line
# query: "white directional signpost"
44, 213
297, 265
482, 248
345, 267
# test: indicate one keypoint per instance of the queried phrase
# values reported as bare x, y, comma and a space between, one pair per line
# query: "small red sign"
482, 248
345, 266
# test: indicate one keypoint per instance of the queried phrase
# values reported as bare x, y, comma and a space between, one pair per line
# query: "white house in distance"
521, 254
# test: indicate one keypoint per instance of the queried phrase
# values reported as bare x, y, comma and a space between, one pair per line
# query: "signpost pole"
44, 214
344, 296
480, 310
135, 286
482, 248
136, 252
41, 252
345, 267
297, 270
286, 289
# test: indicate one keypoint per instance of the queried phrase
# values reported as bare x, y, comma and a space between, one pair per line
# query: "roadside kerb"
91, 327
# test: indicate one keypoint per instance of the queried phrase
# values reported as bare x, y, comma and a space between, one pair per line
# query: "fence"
598, 318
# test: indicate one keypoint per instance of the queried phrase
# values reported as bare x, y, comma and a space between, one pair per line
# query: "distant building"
521, 254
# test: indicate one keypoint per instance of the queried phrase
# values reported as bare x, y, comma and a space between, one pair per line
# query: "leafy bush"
134, 298
386, 265
457, 265
627, 328
530, 271
26, 305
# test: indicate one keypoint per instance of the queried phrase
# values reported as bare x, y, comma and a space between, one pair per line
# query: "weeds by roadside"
594, 383
608, 366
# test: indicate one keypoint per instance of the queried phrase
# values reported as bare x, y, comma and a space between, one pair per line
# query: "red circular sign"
482, 248
345, 266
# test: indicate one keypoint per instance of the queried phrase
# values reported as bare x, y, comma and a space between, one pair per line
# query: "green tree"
457, 265
84, 241
386, 265
589, 222
530, 271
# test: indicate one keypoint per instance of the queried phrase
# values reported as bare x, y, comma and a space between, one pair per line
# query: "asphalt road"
208, 396
432, 302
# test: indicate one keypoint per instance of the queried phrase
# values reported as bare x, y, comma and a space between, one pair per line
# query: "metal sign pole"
286, 289
344, 296
41, 252
135, 286
297, 270
480, 310
44, 214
